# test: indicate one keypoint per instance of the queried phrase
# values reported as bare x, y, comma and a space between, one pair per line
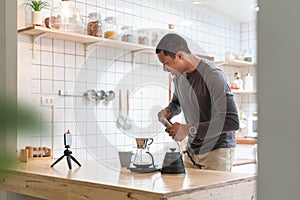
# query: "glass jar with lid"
156, 35
143, 37
66, 17
94, 25
127, 34
110, 28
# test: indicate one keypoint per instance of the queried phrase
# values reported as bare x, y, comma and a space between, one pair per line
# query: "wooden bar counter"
95, 181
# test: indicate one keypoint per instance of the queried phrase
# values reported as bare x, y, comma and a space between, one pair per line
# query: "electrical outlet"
48, 101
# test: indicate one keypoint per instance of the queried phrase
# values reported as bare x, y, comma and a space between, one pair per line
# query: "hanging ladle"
127, 124
120, 119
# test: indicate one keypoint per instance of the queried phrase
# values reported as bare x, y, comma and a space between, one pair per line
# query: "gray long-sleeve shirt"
206, 100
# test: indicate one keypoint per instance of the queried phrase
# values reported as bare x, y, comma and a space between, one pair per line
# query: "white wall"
206, 21
59, 65
278, 100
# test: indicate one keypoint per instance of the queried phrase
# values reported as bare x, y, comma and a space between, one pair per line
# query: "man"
203, 94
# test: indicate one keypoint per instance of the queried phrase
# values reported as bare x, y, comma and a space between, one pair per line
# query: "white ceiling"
240, 10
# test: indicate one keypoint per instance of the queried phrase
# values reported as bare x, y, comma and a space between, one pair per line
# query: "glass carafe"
143, 157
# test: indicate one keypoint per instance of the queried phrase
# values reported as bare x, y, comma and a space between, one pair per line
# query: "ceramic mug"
125, 158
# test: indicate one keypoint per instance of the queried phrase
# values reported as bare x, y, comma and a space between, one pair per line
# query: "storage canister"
66, 17
127, 34
94, 26
110, 28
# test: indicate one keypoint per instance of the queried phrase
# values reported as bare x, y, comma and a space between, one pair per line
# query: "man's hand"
178, 131
164, 113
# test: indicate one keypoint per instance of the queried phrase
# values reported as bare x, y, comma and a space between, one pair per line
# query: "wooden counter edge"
39, 186
230, 191
248, 180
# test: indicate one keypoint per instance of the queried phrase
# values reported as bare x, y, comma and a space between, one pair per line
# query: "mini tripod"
67, 153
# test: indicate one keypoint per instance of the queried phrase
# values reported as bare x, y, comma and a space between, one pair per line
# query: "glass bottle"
110, 28
66, 17
94, 26
248, 82
237, 82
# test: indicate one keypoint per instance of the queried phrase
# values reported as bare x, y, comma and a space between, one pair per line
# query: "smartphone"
67, 139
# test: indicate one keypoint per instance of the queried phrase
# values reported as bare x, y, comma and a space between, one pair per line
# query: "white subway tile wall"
61, 65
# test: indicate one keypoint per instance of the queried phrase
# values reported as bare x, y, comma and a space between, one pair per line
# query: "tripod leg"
74, 159
69, 161
59, 159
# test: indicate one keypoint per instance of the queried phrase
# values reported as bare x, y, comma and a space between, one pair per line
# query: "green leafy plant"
15, 117
36, 5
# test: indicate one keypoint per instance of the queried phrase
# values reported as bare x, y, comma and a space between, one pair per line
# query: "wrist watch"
193, 130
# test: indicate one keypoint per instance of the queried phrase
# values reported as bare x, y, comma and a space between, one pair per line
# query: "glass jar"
156, 35
66, 17
229, 56
143, 37
110, 28
248, 56
127, 34
94, 26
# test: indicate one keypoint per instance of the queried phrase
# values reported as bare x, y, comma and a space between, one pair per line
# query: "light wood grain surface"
244, 140
37, 178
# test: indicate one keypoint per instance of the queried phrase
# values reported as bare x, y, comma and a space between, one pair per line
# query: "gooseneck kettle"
173, 162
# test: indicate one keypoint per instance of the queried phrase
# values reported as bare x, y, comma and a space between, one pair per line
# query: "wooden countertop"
94, 180
245, 140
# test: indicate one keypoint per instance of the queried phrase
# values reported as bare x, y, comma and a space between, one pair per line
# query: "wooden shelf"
244, 140
236, 63
240, 162
242, 92
37, 32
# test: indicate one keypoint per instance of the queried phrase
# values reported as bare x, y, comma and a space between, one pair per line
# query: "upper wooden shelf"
242, 91
244, 140
236, 63
37, 31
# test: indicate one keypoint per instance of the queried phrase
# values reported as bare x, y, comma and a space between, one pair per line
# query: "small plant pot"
37, 18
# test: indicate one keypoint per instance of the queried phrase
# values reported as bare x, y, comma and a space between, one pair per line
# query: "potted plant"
37, 6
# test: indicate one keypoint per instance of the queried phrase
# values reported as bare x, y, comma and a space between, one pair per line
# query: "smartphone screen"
67, 139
